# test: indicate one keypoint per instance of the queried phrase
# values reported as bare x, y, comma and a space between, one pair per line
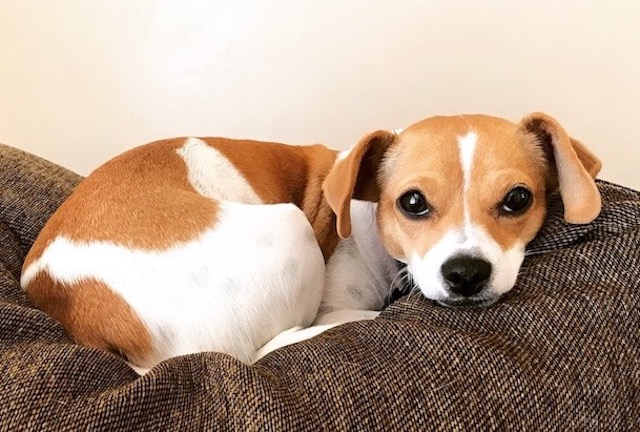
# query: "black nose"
466, 275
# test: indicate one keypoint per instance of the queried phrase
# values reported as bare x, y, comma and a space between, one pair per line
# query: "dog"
241, 247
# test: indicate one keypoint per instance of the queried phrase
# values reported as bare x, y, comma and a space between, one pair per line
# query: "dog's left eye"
414, 204
516, 201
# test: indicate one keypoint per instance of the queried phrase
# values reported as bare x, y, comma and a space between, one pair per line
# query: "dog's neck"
360, 272
317, 161
361, 255
298, 173
281, 173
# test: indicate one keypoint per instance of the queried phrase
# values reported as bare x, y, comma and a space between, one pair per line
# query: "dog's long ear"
574, 165
355, 176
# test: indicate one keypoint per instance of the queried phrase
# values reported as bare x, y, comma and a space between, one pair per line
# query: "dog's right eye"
414, 204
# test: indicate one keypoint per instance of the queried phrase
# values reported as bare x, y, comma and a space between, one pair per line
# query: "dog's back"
165, 250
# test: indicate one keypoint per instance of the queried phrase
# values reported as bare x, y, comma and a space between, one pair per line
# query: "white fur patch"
258, 272
327, 321
360, 270
473, 241
467, 147
358, 277
343, 155
213, 175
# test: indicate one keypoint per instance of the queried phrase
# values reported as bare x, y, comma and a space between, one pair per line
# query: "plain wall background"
81, 80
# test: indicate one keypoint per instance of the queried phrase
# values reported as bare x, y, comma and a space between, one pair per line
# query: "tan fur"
426, 157
283, 173
575, 167
80, 308
158, 208
513, 159
433, 169
430, 149
355, 177
155, 207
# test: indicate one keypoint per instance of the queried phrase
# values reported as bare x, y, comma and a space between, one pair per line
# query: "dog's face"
460, 197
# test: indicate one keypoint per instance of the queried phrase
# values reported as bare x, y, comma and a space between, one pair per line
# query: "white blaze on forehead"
467, 148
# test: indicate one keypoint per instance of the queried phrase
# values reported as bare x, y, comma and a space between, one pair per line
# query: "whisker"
399, 279
415, 290
401, 285
529, 253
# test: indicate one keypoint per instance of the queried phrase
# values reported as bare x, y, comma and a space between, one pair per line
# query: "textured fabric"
560, 352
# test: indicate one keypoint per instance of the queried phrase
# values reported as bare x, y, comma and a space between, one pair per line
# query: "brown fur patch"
323, 220
150, 203
143, 199
281, 173
355, 177
574, 167
506, 158
94, 315
426, 157
140, 199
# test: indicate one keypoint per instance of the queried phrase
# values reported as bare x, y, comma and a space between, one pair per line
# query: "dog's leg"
139, 370
344, 316
322, 324
291, 336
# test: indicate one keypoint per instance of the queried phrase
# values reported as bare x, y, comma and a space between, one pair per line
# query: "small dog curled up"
169, 248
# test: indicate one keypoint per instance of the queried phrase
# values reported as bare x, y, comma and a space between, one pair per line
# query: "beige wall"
82, 80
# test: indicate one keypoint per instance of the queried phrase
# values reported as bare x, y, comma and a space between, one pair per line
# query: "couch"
560, 352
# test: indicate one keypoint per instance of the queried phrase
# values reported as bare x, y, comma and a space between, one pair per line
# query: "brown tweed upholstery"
561, 352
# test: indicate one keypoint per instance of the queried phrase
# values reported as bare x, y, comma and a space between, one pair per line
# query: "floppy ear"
355, 177
575, 166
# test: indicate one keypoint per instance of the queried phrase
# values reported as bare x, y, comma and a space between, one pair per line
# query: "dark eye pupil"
517, 200
413, 203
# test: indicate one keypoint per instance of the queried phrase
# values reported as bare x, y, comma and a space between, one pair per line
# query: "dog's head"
460, 197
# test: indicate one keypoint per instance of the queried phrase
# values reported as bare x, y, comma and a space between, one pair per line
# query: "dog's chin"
467, 302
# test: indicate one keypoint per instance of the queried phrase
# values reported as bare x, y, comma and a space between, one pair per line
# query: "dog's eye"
414, 204
516, 201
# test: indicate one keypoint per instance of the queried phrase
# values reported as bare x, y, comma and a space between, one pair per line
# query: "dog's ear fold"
355, 177
573, 168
